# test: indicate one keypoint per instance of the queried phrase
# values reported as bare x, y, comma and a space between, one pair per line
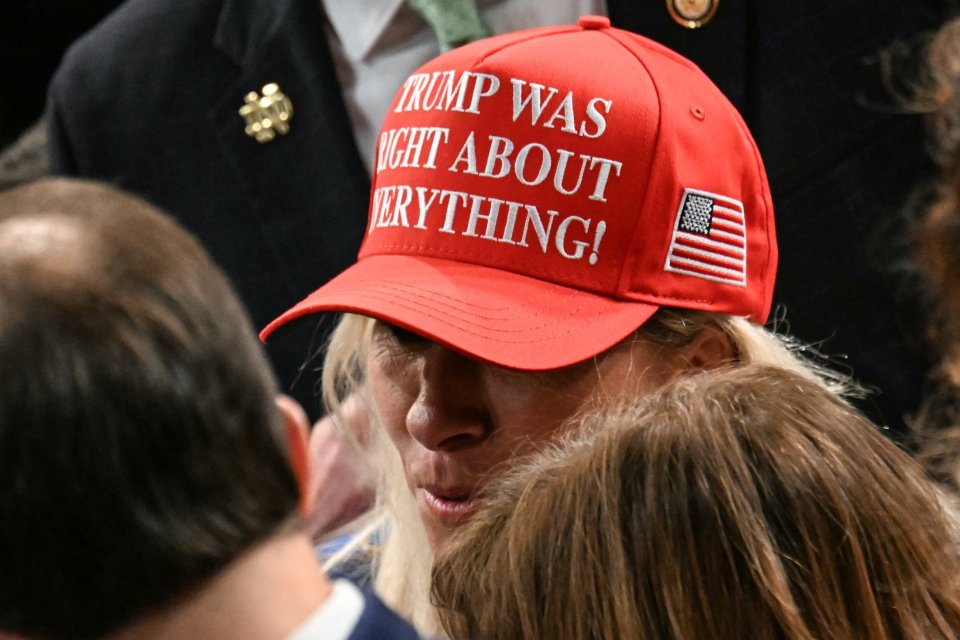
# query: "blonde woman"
561, 218
743, 502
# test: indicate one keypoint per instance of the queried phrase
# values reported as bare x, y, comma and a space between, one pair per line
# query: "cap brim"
496, 316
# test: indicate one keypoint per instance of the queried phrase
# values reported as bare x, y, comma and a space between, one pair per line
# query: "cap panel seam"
745, 133
546, 31
631, 257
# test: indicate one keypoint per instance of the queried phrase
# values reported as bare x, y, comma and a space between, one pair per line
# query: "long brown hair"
745, 502
934, 231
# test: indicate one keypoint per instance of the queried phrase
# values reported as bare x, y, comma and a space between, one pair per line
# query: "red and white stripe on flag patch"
709, 239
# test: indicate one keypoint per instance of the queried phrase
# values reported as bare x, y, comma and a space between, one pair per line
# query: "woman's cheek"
394, 396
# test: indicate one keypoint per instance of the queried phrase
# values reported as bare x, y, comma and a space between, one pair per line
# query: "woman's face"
457, 421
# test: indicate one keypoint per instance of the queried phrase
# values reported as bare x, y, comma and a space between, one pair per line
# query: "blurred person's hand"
339, 486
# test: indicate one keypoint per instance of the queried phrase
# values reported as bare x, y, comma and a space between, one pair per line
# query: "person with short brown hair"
152, 480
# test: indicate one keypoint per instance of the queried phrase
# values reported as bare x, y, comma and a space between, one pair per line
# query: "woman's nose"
450, 412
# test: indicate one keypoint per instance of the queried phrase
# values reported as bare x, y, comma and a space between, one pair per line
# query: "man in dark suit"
153, 481
149, 101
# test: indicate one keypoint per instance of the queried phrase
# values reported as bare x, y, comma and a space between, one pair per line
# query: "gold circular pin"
692, 14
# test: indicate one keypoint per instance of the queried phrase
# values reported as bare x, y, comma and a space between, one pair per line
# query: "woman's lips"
448, 505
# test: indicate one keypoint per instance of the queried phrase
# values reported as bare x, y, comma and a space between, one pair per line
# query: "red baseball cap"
537, 196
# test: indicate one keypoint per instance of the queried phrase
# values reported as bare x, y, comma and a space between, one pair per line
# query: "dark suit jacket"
149, 100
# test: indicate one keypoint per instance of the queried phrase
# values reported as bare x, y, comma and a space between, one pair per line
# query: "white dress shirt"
376, 44
336, 617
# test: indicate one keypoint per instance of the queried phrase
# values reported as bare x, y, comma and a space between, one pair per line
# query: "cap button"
594, 22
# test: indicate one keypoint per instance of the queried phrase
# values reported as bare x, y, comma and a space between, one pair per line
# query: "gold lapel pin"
268, 114
692, 14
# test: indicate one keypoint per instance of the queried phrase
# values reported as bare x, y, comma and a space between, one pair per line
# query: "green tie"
456, 22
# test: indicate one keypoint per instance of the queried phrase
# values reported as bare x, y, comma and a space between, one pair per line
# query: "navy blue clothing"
378, 622
357, 567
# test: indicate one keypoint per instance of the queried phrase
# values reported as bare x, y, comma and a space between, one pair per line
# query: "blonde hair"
402, 560
746, 501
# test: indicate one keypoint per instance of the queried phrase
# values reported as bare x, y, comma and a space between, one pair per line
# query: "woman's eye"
399, 334
404, 336
393, 346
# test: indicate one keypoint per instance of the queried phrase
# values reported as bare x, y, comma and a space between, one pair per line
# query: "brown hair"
934, 231
140, 447
747, 501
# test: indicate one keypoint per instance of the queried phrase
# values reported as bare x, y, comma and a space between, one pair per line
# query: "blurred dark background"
33, 37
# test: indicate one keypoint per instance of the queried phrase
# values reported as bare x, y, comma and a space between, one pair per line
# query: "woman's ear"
710, 348
297, 426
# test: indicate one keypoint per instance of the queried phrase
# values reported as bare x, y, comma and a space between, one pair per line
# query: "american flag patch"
709, 239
